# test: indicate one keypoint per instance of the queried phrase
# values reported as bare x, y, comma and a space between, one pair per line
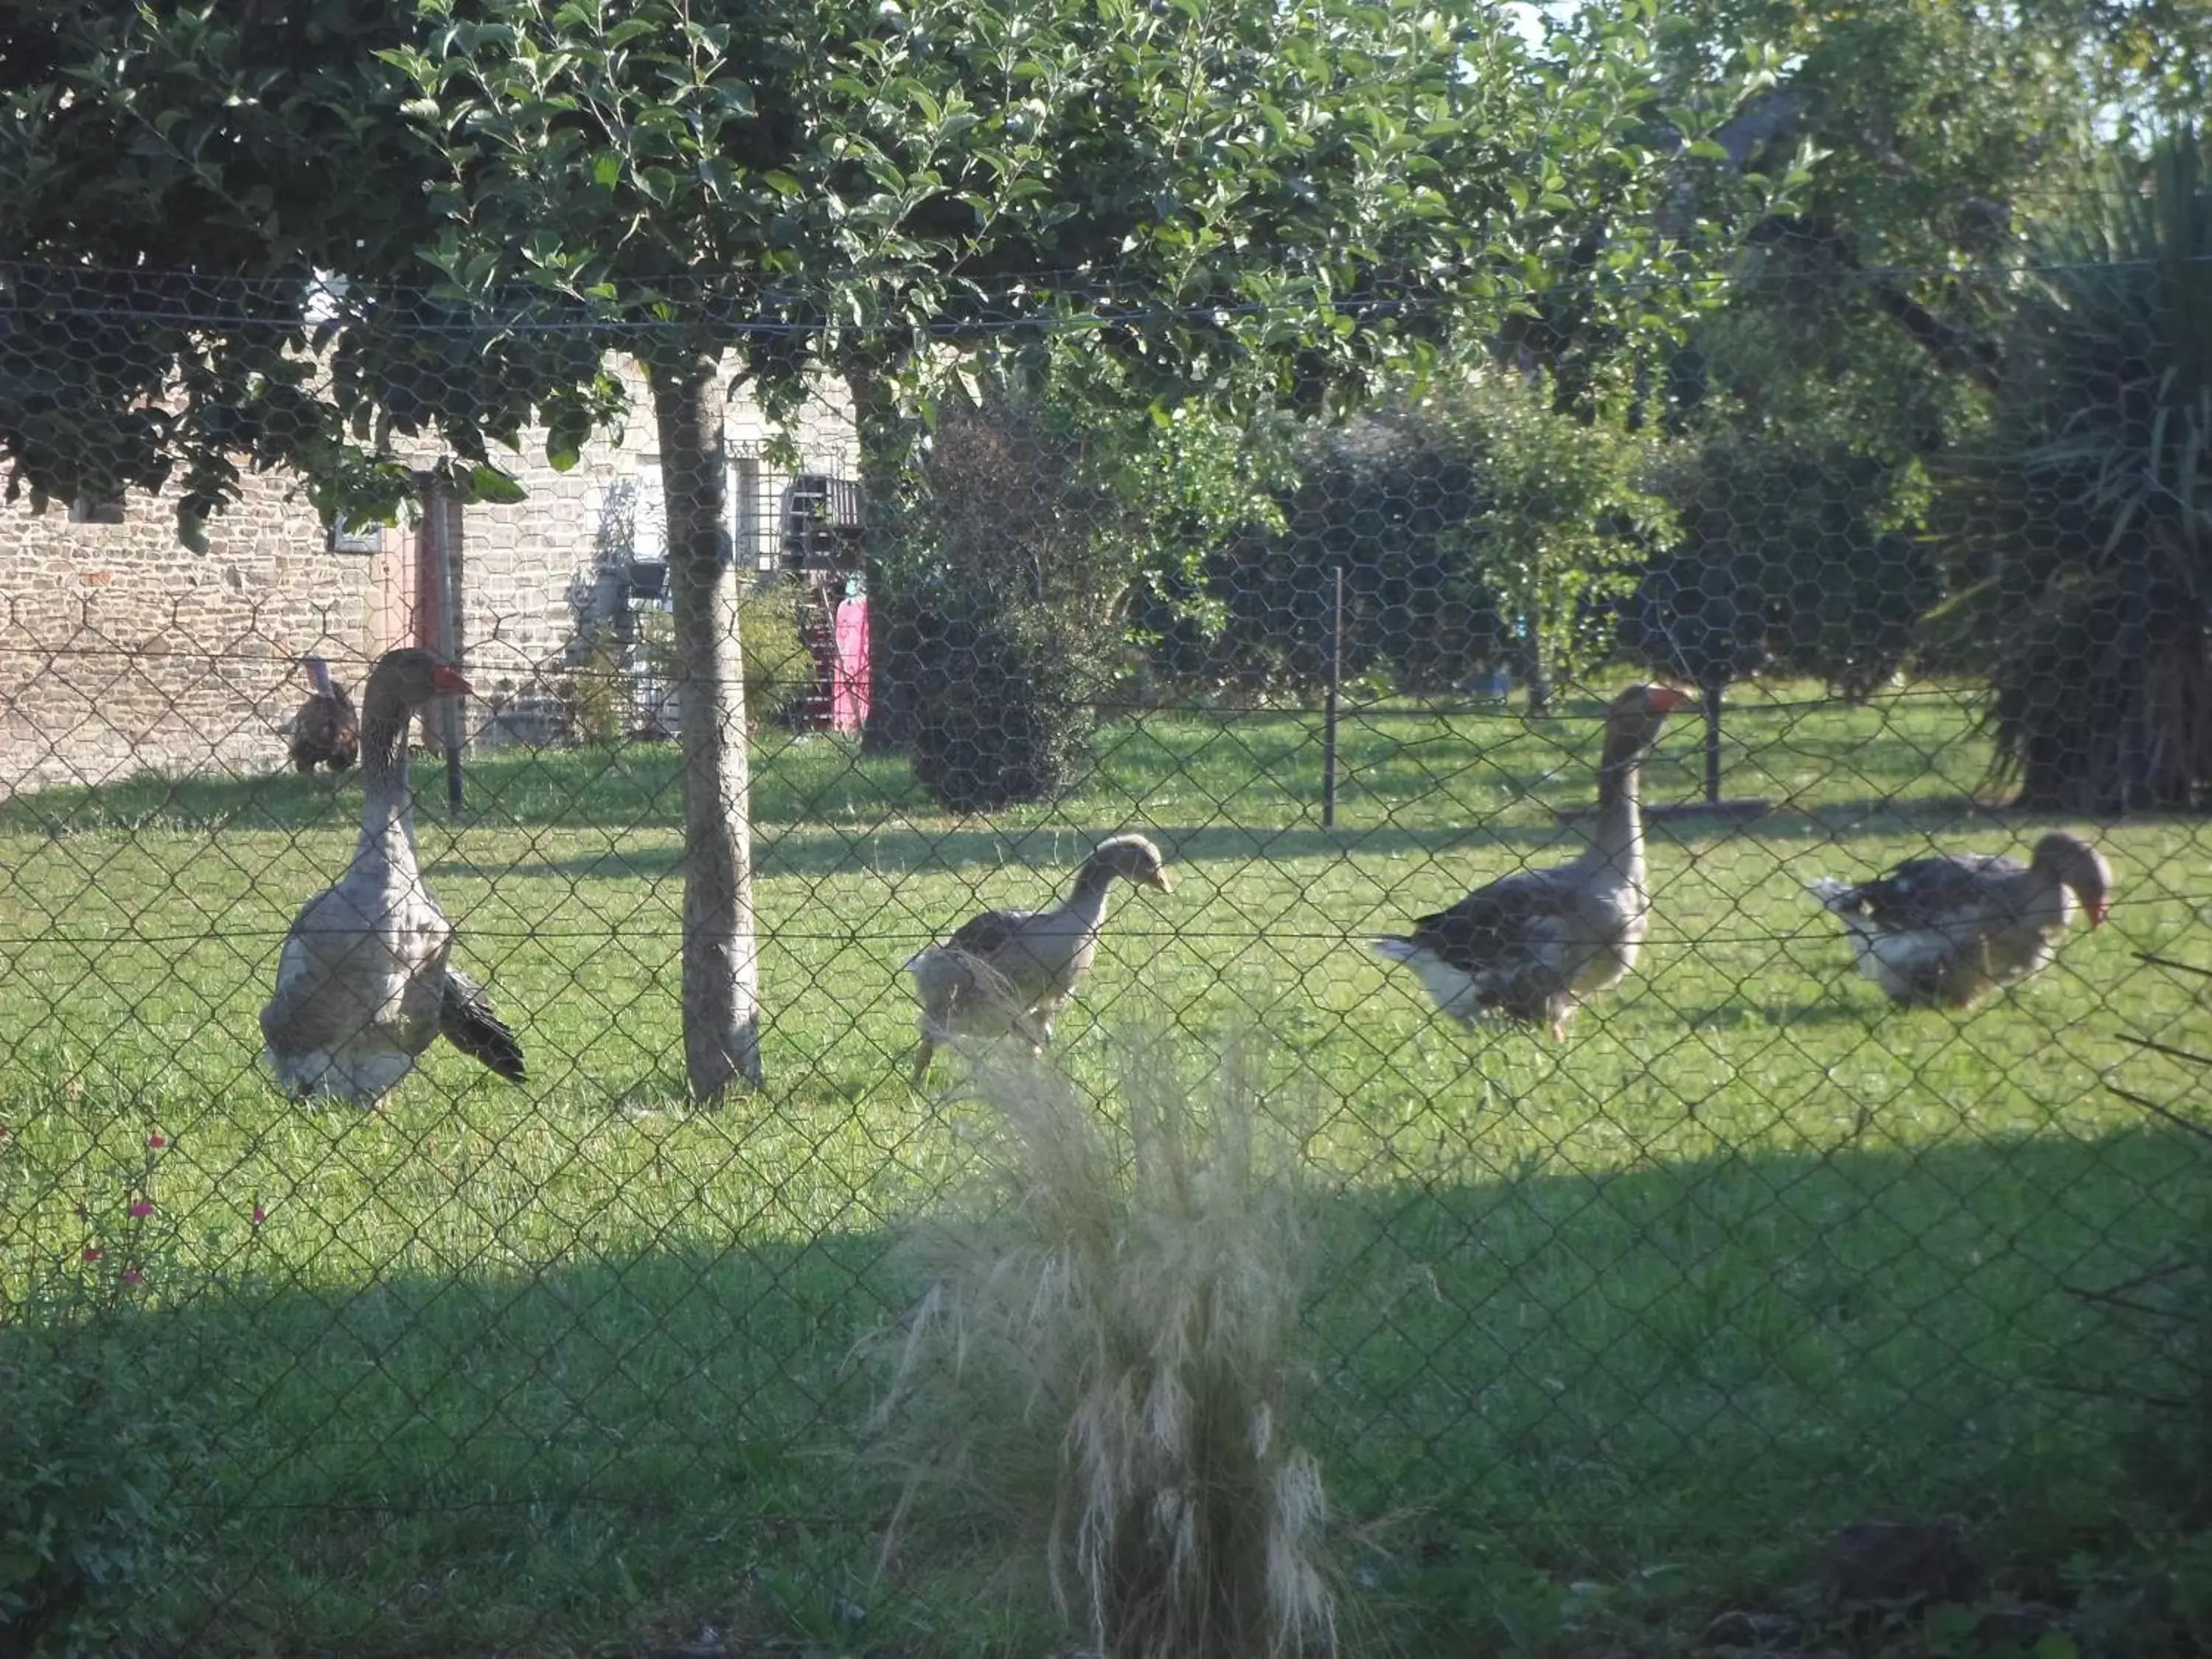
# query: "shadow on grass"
1841, 1007
1053, 851
897, 847
1258, 767
1521, 1385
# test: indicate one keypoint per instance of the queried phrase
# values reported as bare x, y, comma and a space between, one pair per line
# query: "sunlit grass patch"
1750, 1256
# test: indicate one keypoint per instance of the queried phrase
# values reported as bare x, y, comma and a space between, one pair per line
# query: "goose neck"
388, 816
1619, 834
1087, 900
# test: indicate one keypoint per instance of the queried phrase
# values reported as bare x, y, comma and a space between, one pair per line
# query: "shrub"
1002, 695
600, 692
2079, 535
1109, 1370
1011, 550
781, 672
93, 1455
596, 693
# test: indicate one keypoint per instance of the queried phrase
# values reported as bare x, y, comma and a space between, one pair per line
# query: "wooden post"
1714, 691
2134, 793
441, 534
1336, 697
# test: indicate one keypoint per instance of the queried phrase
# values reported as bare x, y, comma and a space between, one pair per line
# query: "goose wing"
355, 962
1937, 893
991, 934
1505, 924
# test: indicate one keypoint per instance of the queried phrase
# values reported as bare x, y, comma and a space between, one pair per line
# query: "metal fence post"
1335, 698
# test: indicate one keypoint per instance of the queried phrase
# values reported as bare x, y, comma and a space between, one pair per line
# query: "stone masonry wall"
124, 651
121, 650
536, 571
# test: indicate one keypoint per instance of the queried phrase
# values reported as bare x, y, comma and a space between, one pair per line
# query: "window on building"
97, 509
753, 553
821, 525
347, 536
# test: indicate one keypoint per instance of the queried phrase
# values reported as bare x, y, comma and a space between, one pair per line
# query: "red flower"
156, 1142
260, 1215
142, 1208
92, 1253
132, 1276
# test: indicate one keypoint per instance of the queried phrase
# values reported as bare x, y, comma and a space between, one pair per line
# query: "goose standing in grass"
363, 984
1944, 932
325, 731
1014, 970
1534, 946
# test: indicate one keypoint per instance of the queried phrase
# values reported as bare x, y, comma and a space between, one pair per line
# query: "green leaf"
193, 525
486, 482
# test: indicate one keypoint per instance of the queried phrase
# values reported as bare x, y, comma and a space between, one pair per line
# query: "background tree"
1290, 200
1350, 191
2080, 538
1378, 496
1790, 560
1862, 341
1565, 518
1475, 523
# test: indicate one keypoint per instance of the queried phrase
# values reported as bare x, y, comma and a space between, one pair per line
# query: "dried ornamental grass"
1108, 1363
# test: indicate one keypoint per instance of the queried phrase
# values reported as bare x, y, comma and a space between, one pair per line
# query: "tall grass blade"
1107, 1364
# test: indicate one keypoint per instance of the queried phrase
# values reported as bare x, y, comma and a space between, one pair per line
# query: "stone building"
124, 651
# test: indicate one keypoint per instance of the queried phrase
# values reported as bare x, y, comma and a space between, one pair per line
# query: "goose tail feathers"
466, 1020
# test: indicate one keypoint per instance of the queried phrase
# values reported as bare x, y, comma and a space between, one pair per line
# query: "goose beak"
447, 682
1666, 699
1161, 879
2096, 908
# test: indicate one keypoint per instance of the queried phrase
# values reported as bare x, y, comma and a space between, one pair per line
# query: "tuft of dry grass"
1106, 1361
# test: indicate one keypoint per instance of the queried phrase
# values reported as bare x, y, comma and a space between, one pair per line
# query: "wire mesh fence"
1666, 1215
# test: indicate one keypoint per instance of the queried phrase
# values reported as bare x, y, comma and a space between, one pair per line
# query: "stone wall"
539, 575
124, 651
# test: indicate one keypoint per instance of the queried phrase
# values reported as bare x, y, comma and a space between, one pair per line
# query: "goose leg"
1036, 1028
921, 1060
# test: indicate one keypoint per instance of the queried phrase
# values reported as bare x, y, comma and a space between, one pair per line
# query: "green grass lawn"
1605, 1335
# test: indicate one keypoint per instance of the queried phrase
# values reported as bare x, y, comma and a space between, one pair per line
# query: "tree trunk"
721, 963
1539, 675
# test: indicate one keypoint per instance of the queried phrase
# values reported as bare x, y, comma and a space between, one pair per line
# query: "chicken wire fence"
1747, 1252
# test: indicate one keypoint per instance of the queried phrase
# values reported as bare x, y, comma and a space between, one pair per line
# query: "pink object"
848, 680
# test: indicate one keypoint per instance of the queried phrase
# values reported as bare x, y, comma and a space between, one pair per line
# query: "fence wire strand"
1746, 1251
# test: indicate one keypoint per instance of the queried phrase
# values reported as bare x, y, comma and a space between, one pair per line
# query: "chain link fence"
1612, 1332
